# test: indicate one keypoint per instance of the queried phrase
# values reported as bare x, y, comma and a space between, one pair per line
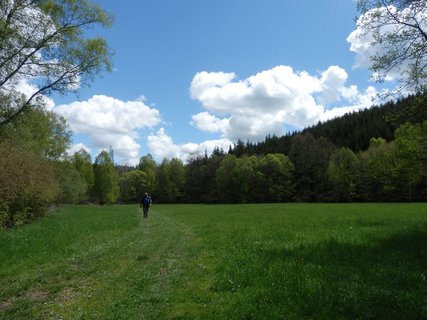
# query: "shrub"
27, 185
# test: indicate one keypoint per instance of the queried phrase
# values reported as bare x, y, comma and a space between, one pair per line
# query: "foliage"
27, 185
375, 182
277, 172
29, 148
200, 174
41, 132
106, 188
310, 157
411, 160
43, 42
398, 29
133, 184
83, 163
342, 174
72, 186
232, 179
148, 165
352, 130
170, 181
316, 170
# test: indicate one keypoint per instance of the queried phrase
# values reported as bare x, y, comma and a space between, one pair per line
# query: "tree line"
36, 173
374, 155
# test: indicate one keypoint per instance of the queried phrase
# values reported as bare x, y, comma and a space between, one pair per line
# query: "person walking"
145, 203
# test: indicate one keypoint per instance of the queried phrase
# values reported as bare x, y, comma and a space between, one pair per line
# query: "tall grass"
280, 261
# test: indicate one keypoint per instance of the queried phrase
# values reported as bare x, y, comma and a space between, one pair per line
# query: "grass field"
281, 261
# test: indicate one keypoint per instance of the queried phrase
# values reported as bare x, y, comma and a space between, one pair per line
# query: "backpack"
147, 201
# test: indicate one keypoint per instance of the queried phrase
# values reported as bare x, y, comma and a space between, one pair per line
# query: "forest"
378, 154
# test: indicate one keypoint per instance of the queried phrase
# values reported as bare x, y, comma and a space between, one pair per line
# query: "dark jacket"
146, 201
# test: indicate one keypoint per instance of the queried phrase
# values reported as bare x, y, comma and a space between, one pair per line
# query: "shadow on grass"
384, 279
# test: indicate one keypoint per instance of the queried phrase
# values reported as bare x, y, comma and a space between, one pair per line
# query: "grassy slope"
293, 261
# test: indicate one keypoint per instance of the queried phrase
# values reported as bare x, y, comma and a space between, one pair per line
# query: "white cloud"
207, 122
126, 149
162, 146
111, 122
271, 100
106, 114
333, 81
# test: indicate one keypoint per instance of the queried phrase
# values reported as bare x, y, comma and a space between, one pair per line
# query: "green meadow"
272, 261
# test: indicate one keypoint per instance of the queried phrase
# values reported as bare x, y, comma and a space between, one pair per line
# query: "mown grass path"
279, 261
91, 262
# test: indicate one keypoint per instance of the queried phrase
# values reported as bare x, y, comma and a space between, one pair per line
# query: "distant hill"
353, 130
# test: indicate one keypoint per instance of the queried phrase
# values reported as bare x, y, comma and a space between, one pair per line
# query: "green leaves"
106, 179
45, 41
399, 40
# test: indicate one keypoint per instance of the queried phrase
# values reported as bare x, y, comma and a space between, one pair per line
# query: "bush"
27, 186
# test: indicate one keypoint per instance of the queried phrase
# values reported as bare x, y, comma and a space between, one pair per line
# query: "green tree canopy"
41, 132
233, 179
410, 158
375, 181
72, 186
170, 180
342, 174
133, 184
106, 187
83, 163
278, 170
149, 166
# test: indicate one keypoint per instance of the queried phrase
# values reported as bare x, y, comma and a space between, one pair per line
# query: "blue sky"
192, 74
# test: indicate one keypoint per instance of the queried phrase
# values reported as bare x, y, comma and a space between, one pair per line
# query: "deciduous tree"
83, 164
278, 170
133, 184
148, 165
72, 186
411, 159
342, 174
397, 29
106, 186
43, 42
42, 132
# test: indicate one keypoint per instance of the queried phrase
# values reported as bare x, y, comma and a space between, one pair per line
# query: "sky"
189, 75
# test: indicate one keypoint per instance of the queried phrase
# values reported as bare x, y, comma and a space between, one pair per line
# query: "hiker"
145, 203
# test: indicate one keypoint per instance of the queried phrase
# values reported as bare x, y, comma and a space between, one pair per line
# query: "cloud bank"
272, 100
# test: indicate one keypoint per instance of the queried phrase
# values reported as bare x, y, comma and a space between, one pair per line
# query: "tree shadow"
382, 279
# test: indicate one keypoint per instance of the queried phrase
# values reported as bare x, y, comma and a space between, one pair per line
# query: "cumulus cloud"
162, 146
271, 100
111, 122
207, 122
333, 84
